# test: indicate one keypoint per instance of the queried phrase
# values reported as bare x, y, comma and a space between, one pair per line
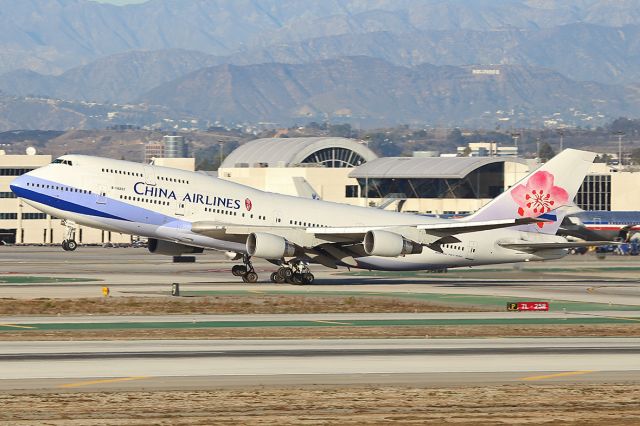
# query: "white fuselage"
163, 203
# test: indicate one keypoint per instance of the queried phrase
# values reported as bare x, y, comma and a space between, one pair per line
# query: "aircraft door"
149, 175
597, 223
470, 250
101, 194
180, 208
277, 218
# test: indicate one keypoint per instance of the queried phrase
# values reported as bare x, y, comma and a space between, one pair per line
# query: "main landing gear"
69, 242
297, 272
245, 271
294, 272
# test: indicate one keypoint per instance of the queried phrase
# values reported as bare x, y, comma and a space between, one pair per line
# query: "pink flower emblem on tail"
538, 196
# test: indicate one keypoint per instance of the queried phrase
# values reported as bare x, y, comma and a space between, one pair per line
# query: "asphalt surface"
177, 322
179, 364
135, 272
581, 289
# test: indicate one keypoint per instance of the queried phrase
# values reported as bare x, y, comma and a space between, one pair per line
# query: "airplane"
183, 212
601, 225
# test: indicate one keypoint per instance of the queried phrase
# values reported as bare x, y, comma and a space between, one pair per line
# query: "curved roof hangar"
290, 152
425, 167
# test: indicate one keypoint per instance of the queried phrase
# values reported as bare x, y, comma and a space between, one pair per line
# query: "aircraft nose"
19, 184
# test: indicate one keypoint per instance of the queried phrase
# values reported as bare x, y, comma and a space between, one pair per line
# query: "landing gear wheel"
239, 270
307, 278
295, 279
274, 277
250, 277
65, 246
71, 245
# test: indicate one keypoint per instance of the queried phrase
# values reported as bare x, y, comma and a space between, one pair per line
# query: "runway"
581, 292
177, 322
35, 272
179, 364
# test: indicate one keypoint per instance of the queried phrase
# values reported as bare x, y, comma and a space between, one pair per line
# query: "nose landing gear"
69, 243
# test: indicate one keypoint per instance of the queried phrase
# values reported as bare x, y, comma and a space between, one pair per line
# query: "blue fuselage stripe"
61, 204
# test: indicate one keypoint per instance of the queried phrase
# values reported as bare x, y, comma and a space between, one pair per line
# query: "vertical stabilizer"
542, 192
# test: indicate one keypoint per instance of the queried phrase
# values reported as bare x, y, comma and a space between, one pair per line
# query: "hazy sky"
120, 1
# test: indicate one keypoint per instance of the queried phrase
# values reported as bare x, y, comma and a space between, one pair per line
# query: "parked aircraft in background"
183, 212
601, 225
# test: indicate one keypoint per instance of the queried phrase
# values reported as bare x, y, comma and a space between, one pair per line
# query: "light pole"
515, 137
561, 132
366, 178
220, 142
619, 135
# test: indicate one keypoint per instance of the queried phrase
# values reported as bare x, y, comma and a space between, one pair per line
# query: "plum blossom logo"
539, 196
248, 204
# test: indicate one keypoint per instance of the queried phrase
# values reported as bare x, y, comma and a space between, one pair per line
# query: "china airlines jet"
184, 212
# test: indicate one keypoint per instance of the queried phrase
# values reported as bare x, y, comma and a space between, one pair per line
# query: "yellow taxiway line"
98, 382
333, 322
553, 376
15, 326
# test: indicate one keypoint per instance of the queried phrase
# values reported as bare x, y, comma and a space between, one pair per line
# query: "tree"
624, 125
382, 145
209, 158
455, 137
546, 152
341, 130
635, 156
604, 158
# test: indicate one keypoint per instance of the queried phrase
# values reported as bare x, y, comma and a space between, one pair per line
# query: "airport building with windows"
339, 170
346, 171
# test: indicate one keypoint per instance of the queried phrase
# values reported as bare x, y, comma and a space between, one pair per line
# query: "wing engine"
388, 244
269, 246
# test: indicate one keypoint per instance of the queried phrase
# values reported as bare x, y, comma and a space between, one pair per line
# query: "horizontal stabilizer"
531, 247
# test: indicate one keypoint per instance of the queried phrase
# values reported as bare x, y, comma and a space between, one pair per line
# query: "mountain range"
377, 92
285, 60
361, 89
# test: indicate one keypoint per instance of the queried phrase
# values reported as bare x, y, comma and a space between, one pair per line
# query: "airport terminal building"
338, 170
346, 171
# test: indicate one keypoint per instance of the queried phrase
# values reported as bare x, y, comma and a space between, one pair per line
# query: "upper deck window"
61, 161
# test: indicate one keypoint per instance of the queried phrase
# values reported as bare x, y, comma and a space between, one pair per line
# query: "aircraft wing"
425, 234
533, 247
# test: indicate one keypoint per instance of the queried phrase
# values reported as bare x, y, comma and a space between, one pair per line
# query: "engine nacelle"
388, 244
171, 249
269, 246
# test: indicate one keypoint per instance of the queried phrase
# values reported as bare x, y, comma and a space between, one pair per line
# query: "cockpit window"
61, 161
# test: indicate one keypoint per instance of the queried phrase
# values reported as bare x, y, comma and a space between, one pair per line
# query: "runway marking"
97, 382
551, 376
15, 326
606, 316
333, 322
